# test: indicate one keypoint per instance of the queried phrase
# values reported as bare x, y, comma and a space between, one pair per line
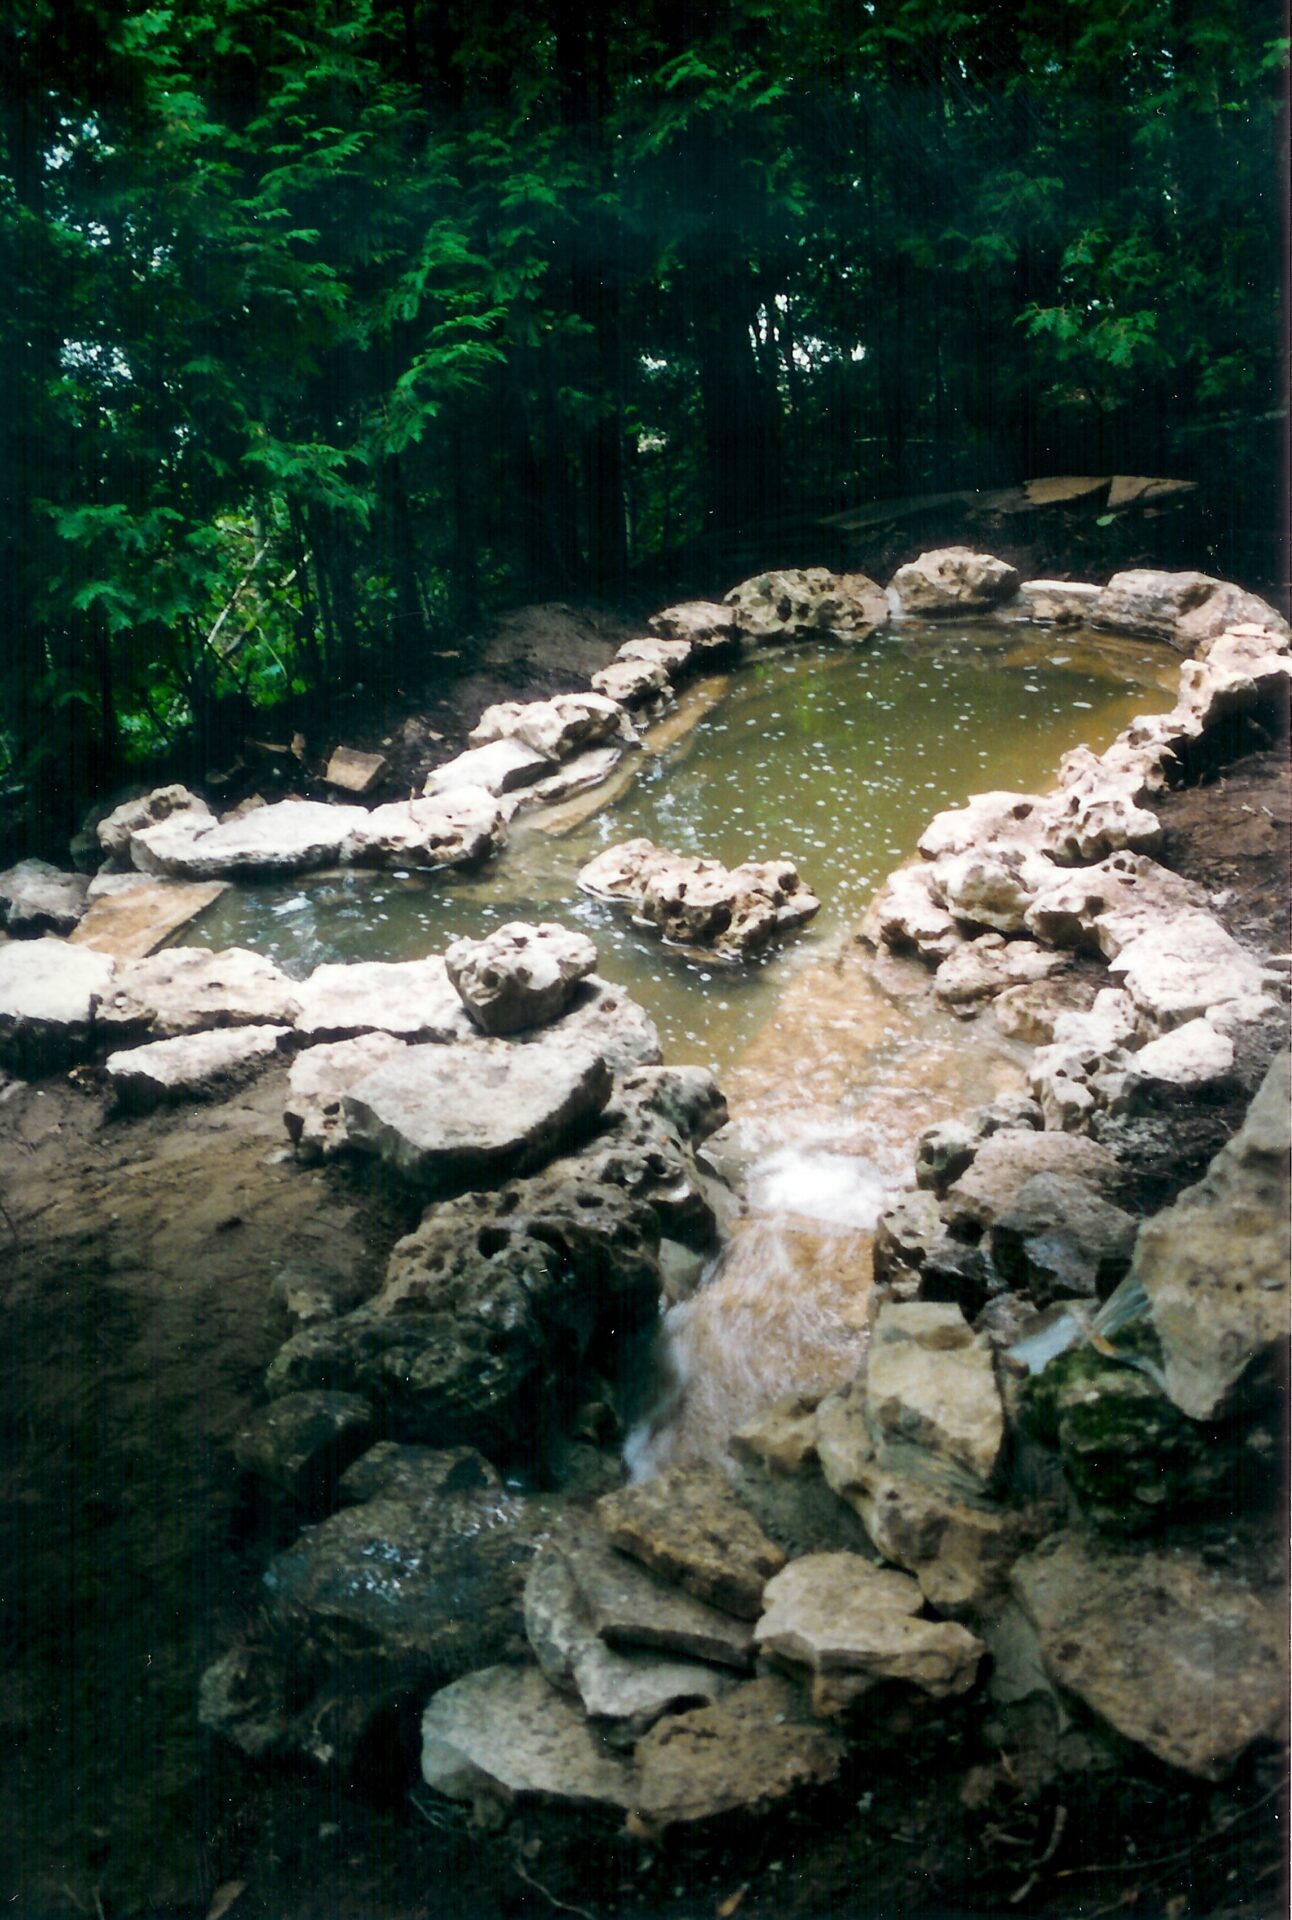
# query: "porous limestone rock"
505, 1734
993, 886
455, 829
1178, 970
501, 767
1004, 1164
1192, 1062
299, 1446
781, 1437
953, 580
38, 898
675, 656
983, 967
412, 999
904, 1232
49, 991
1228, 607
931, 1381
457, 1111
1215, 1266
632, 683
623, 1692
555, 728
701, 903
905, 916
193, 1066
293, 836
837, 1613
688, 1525
943, 1152
611, 1022
1149, 601
187, 989
519, 976
1102, 908
1179, 1657
1031, 1012
705, 623
1062, 602
315, 1082
117, 829
1000, 816
788, 603
355, 772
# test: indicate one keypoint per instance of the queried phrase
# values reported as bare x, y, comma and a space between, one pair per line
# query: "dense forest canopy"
329, 324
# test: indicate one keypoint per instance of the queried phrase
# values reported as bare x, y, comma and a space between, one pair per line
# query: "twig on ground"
565, 1906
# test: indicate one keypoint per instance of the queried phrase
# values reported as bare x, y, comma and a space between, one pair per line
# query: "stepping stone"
187, 989
411, 999
193, 1066
133, 919
49, 991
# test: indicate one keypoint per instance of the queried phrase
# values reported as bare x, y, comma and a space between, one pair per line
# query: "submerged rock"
1177, 1656
953, 580
519, 976
1215, 1266
838, 1614
688, 1525
791, 602
700, 903
131, 915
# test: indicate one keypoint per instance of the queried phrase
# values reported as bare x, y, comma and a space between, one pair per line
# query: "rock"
1178, 1657
782, 1437
519, 976
798, 1511
921, 1512
1063, 602
136, 919
1215, 1266
632, 683
355, 772
675, 656
299, 1446
454, 1112
501, 767
1059, 1240
49, 991
953, 580
1190, 1063
612, 1023
706, 624
942, 1153
555, 728
578, 775
117, 828
187, 989
986, 966
1244, 671
786, 604
836, 1613
37, 898
1001, 817
905, 916
415, 1475
628, 1606
993, 887
1131, 1458
688, 1525
954, 1271
753, 1748
1186, 609
1128, 490
317, 1079
1097, 810
241, 1697
193, 1066
1178, 971
1062, 1074
623, 1693
293, 836
1005, 1163
456, 829
504, 1735
411, 999
930, 1381
390, 1596
904, 1232
1104, 907
1030, 1012
700, 903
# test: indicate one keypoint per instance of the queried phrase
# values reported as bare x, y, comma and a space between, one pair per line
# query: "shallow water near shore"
837, 758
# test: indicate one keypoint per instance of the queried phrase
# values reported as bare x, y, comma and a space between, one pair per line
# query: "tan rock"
753, 1748
953, 580
355, 772
836, 1613
930, 1380
142, 916
688, 1525
782, 1437
185, 989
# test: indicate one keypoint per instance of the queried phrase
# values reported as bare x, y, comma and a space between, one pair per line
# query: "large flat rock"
1177, 970
506, 1734
38, 898
1006, 1161
136, 918
456, 1112
49, 991
837, 1613
502, 766
412, 999
630, 1607
187, 989
1178, 1656
295, 836
318, 1078
193, 1066
753, 1748
688, 1525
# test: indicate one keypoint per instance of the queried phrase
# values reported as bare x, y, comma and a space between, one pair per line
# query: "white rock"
318, 1078
519, 976
49, 992
38, 898
631, 683
118, 828
500, 767
1065, 602
1176, 971
355, 772
555, 728
1190, 1061
905, 915
413, 999
837, 1613
673, 655
194, 1066
790, 602
953, 580
186, 989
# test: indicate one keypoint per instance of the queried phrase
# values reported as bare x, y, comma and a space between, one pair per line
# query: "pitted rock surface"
689, 1526
953, 580
519, 976
786, 604
411, 999
186, 989
317, 1079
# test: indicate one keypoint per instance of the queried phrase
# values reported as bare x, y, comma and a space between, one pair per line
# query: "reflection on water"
836, 758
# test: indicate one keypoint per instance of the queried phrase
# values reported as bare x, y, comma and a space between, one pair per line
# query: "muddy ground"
139, 1261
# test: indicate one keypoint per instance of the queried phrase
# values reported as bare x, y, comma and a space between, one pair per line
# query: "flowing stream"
831, 1062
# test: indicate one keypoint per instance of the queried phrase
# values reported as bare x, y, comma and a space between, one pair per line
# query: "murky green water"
834, 757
